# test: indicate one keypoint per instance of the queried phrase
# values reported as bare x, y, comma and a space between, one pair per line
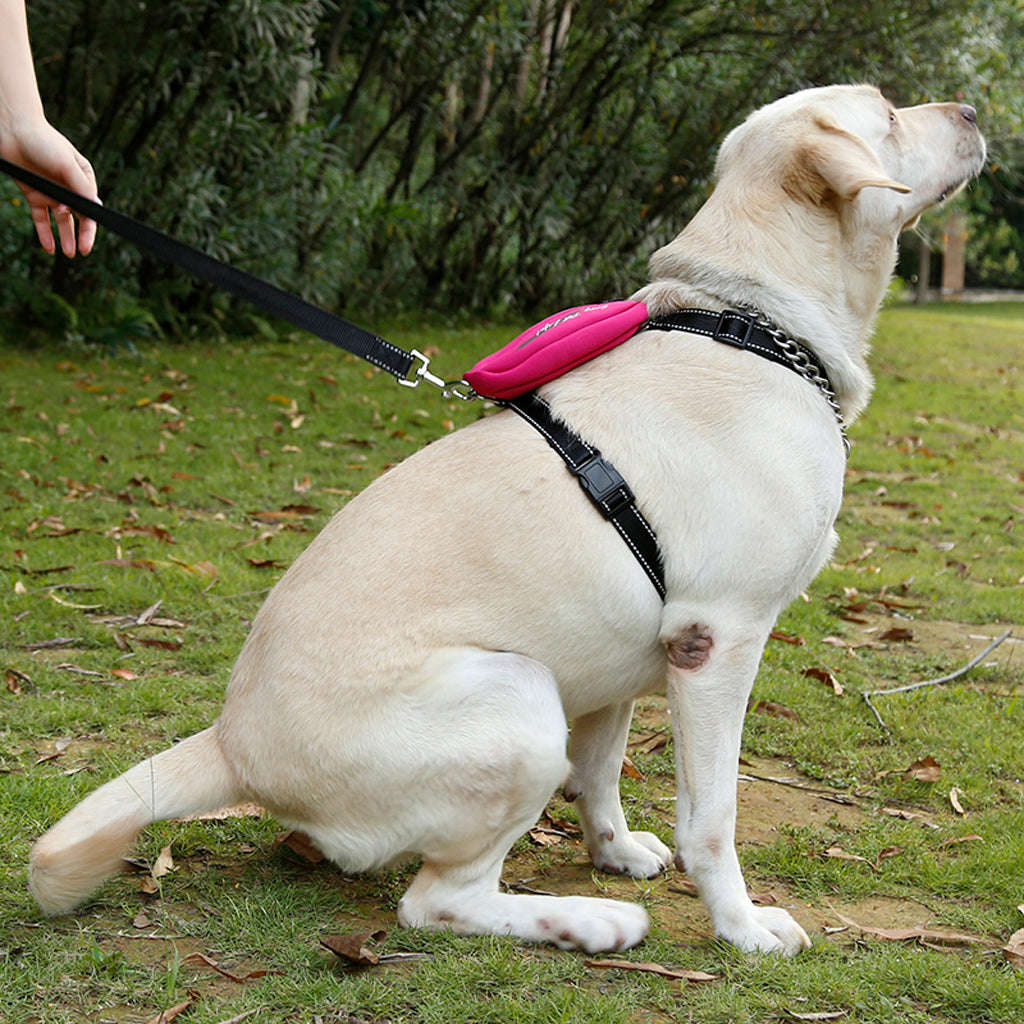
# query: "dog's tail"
90, 841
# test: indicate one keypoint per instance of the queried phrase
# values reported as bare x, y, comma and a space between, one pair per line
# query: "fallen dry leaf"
16, 681
650, 968
821, 1015
899, 634
545, 837
352, 946
769, 707
787, 638
898, 812
923, 935
203, 960
961, 839
823, 675
247, 810
954, 800
924, 769
300, 843
1014, 950
838, 853
165, 1016
163, 865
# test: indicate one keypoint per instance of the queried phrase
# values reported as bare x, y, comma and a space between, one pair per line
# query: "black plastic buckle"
747, 325
603, 485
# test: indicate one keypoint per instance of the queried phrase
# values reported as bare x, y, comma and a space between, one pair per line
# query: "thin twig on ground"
977, 659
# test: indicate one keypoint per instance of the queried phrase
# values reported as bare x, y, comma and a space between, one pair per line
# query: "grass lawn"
150, 498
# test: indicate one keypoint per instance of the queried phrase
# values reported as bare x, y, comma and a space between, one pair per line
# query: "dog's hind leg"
596, 749
511, 757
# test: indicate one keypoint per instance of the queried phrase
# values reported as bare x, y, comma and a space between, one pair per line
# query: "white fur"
406, 687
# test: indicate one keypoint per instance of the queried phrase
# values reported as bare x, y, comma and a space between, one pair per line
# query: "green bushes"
382, 155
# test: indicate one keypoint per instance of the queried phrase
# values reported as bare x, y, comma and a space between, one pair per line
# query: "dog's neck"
827, 297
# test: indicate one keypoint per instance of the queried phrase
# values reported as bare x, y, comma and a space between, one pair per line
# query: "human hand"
41, 148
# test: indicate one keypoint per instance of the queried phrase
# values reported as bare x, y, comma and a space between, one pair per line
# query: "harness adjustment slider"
726, 319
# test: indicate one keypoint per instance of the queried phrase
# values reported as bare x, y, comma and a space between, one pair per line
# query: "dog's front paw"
637, 854
767, 930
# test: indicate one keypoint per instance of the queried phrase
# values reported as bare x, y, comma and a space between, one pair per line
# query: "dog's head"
849, 149
812, 193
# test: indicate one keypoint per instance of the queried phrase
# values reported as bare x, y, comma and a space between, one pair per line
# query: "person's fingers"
44, 231
66, 229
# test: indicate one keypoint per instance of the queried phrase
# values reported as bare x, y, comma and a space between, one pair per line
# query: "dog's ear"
832, 162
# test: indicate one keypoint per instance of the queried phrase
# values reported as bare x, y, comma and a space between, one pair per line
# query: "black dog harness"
601, 481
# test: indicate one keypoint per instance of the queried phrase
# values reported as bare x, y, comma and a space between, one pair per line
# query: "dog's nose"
968, 113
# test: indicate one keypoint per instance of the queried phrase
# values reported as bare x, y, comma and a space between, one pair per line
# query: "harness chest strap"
601, 482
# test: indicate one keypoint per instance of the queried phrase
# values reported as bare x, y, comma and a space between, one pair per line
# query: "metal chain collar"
799, 359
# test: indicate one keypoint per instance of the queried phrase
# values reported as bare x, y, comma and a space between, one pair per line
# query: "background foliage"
385, 154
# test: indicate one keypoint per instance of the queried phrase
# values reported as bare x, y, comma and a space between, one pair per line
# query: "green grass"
191, 475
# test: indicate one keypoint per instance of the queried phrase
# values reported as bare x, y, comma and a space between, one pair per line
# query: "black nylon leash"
245, 286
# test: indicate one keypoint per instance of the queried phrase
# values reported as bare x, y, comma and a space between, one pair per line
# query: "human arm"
28, 139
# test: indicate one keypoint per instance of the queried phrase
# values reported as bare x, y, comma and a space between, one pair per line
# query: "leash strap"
245, 286
601, 482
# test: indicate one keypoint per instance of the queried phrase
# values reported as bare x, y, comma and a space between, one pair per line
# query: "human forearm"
19, 94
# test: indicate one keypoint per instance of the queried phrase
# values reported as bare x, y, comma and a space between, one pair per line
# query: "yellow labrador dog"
406, 688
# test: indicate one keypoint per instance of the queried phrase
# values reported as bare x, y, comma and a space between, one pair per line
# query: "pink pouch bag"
554, 346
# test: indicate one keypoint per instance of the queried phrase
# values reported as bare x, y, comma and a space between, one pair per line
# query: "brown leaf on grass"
651, 968
266, 563
163, 865
684, 886
166, 1016
124, 673
630, 770
904, 815
898, 634
1014, 950
563, 825
961, 839
924, 769
164, 645
53, 525
544, 836
130, 563
824, 676
201, 959
300, 843
200, 568
653, 743
768, 707
820, 1015
143, 530
920, 933
787, 638
17, 682
838, 853
247, 810
352, 948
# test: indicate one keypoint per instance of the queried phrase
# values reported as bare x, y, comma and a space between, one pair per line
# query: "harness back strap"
601, 482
